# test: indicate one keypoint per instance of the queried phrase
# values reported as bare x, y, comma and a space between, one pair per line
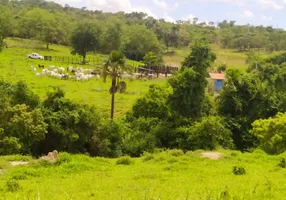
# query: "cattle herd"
81, 74
77, 74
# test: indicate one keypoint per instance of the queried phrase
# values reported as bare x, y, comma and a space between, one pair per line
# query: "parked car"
35, 56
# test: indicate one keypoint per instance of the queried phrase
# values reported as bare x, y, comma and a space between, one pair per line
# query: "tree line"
134, 33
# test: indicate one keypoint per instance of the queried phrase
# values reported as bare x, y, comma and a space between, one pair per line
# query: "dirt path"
16, 163
212, 155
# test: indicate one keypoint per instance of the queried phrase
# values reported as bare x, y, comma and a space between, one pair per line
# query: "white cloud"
161, 4
169, 18
62, 2
190, 18
234, 2
116, 6
265, 18
177, 5
271, 4
110, 5
248, 13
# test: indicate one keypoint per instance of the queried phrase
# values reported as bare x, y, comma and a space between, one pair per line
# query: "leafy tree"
71, 125
271, 133
111, 37
153, 104
150, 59
190, 83
209, 133
85, 38
113, 68
140, 136
107, 139
28, 127
22, 95
244, 99
41, 25
138, 41
5, 24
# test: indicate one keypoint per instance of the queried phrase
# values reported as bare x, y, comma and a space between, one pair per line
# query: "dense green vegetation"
40, 114
43, 20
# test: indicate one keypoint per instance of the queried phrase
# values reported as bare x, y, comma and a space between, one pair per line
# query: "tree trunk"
48, 45
113, 97
83, 58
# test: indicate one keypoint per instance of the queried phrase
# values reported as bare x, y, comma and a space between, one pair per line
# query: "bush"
148, 156
221, 68
271, 133
10, 145
208, 134
153, 104
107, 139
13, 185
63, 158
282, 163
176, 152
126, 160
140, 137
238, 170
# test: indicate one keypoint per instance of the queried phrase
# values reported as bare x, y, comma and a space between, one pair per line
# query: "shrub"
107, 139
238, 170
153, 104
271, 133
13, 185
148, 156
282, 163
139, 136
10, 145
176, 152
126, 160
63, 158
209, 133
221, 68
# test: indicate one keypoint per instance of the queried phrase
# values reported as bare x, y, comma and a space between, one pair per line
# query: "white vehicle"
35, 56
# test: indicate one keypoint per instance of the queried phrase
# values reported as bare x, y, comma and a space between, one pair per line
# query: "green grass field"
232, 58
15, 66
165, 175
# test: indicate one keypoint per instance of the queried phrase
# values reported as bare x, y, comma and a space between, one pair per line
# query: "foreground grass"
15, 66
165, 175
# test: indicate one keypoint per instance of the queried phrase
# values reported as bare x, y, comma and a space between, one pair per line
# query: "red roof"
217, 76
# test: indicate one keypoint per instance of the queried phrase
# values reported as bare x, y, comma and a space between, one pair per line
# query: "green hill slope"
15, 66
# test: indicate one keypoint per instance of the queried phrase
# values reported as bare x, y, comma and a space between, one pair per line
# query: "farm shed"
218, 79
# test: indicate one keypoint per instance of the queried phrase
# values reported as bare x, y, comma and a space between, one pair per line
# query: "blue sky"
255, 12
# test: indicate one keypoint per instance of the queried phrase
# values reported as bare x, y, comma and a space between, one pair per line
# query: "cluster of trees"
244, 38
182, 115
134, 33
29, 126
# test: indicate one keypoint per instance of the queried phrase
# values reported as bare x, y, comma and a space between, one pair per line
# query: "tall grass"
164, 175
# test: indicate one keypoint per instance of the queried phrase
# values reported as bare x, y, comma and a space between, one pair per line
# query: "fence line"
98, 61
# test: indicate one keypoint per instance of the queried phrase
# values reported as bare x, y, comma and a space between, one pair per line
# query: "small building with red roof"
218, 79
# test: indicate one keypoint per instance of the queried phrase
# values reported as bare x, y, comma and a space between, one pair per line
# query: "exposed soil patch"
212, 155
17, 163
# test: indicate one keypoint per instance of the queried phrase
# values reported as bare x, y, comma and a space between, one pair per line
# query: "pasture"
164, 175
232, 58
15, 66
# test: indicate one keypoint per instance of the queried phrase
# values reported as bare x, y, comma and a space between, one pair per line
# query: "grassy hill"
15, 66
232, 58
166, 175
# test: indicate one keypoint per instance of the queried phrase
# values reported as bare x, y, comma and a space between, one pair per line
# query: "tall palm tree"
114, 67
